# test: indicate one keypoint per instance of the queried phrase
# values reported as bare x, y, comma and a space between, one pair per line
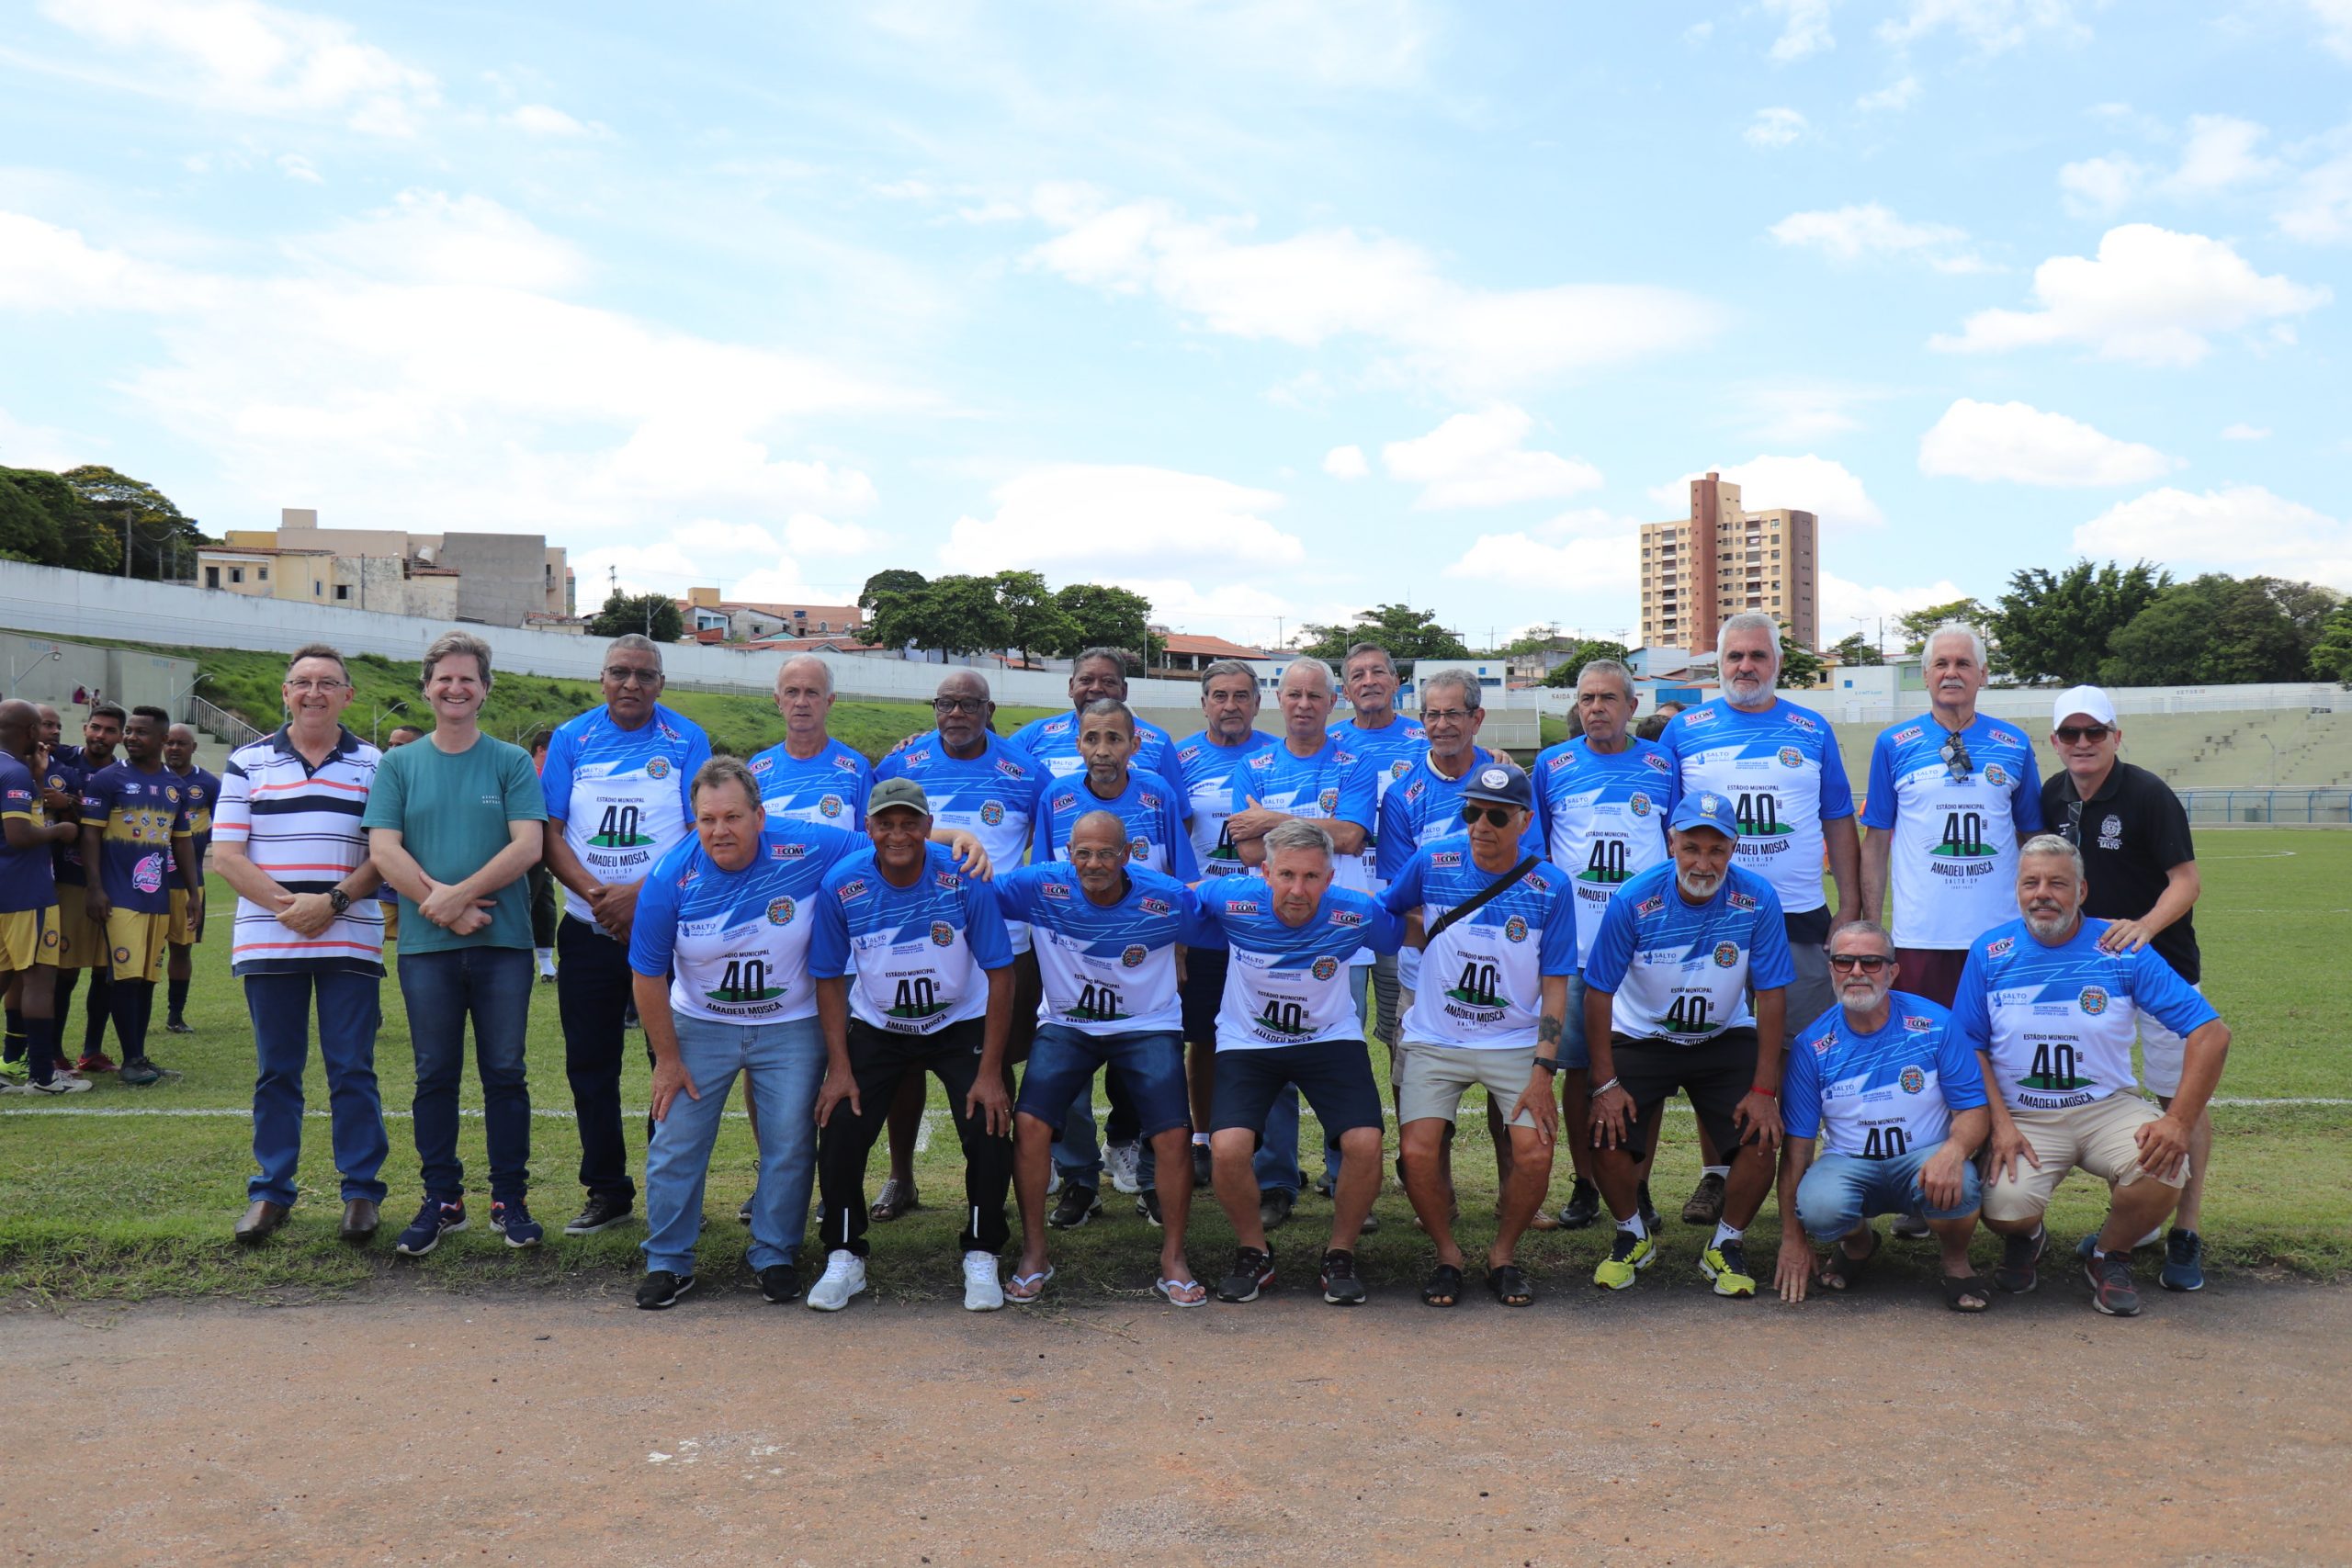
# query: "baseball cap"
899, 792
1499, 783
2089, 701
1702, 808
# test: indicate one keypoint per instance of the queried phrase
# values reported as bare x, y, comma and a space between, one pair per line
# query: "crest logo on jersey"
780, 912
1398, 770
1649, 906
993, 812
1912, 1079
1155, 905
1444, 859
2093, 1000
1054, 889
2000, 949
1638, 804
942, 934
1995, 776
1726, 955
1326, 966
852, 890
1329, 800
1908, 732
172, 793
1134, 957
147, 876
48, 939
1515, 929
1138, 847
1493, 778
830, 807
123, 955
1791, 758
659, 768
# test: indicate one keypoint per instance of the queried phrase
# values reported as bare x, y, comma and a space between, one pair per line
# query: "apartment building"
1700, 570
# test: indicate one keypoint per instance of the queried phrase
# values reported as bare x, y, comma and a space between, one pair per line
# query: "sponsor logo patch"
1445, 859
1011, 770
1054, 889
1155, 905
761, 764
1241, 906
1918, 1025
1649, 906
948, 880
1346, 918
855, 888
1908, 732
1741, 900
2000, 949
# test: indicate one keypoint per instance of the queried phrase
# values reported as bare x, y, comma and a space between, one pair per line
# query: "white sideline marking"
2266, 854
922, 1135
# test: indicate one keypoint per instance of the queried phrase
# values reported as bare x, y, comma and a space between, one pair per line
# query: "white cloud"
806, 533
44, 267
1330, 283
1118, 519
2238, 528
24, 446
1826, 489
2334, 19
1988, 27
1774, 128
429, 236
546, 119
1847, 234
1804, 29
1897, 95
1478, 459
298, 167
2220, 155
1366, 44
1801, 411
2099, 188
2318, 206
1846, 606
2244, 433
248, 58
2152, 297
1579, 569
2023, 445
1346, 463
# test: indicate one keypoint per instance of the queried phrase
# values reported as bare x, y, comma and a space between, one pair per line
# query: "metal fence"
2241, 807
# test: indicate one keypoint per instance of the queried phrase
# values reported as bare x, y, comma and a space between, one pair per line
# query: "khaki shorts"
80, 943
1434, 1077
28, 939
135, 943
2097, 1137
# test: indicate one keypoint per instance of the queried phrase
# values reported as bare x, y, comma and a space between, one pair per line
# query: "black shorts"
1334, 1075
1203, 992
1717, 1074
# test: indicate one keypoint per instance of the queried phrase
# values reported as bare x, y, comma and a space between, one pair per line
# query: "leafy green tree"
1566, 673
2054, 626
1800, 666
162, 539
1406, 633
2332, 654
46, 521
1858, 649
651, 614
1107, 617
1036, 619
960, 614
889, 580
1916, 624
1536, 639
2217, 630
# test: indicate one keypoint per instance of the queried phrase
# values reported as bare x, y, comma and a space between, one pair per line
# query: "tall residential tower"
1699, 571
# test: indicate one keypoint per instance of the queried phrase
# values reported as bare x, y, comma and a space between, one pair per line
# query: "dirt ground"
1658, 1427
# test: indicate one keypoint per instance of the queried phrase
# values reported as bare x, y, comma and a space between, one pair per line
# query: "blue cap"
1705, 808
1499, 783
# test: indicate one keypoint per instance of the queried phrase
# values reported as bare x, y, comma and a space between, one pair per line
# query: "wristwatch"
1549, 1063
338, 900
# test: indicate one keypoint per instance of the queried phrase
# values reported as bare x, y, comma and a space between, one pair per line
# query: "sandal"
1961, 1289
1181, 1292
1841, 1268
1028, 1287
1444, 1287
1510, 1285
895, 1197
2017, 1273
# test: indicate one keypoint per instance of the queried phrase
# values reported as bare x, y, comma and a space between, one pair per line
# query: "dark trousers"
877, 1060
544, 904
490, 988
592, 990
349, 1011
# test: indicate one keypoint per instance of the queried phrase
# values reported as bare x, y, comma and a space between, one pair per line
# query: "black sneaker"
661, 1289
139, 1073
1078, 1205
601, 1213
1341, 1286
178, 1026
433, 1221
1274, 1205
1583, 1207
513, 1222
1371, 1225
2112, 1290
780, 1282
1649, 1211
1253, 1271
1204, 1167
1148, 1205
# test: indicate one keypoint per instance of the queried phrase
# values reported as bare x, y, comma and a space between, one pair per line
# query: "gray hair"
1610, 667
1870, 929
635, 642
1228, 667
1460, 680
1749, 621
1118, 658
2053, 844
1955, 628
318, 650
822, 669
1299, 833
457, 645
1357, 650
726, 771
1330, 683
1103, 707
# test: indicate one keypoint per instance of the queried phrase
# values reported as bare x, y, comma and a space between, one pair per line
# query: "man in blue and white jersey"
1951, 795
1392, 743
913, 975
2053, 1014
1498, 941
1779, 767
718, 953
1290, 1023
994, 790
1151, 811
1094, 674
1106, 928
1893, 1102
1666, 1010
1602, 801
616, 782
809, 774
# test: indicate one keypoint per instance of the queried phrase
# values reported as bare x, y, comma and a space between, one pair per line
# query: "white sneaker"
63, 1083
844, 1277
1122, 1161
982, 1291
1053, 1182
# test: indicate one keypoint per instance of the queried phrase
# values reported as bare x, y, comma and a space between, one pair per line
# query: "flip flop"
1181, 1292
1841, 1269
1509, 1285
1442, 1288
1026, 1288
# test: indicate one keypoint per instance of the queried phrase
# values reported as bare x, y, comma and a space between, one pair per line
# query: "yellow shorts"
28, 939
392, 923
80, 943
135, 945
182, 933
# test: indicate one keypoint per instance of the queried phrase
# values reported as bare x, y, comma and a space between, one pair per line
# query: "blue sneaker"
433, 1221
2184, 1267
513, 1222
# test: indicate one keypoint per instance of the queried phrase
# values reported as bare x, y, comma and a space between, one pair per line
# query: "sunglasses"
1958, 765
2076, 734
1868, 963
1496, 816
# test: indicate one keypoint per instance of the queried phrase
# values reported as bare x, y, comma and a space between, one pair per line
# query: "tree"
46, 521
2217, 630
2054, 626
889, 580
1035, 616
1107, 617
1567, 671
1800, 666
2332, 655
1916, 624
648, 615
162, 538
1857, 649
1536, 639
958, 615
1404, 632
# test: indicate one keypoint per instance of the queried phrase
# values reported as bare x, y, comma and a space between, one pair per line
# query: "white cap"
2089, 701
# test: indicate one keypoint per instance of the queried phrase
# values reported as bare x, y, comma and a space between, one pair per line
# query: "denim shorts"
1335, 1077
1150, 1065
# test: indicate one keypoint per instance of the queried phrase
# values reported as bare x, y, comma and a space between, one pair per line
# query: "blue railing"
2221, 807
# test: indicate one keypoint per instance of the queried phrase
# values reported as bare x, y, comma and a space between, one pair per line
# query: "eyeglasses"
2074, 828
1444, 715
620, 677
309, 686
959, 704
2076, 734
1868, 963
1957, 762
1495, 816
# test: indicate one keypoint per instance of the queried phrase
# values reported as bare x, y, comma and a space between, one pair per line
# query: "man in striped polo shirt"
286, 836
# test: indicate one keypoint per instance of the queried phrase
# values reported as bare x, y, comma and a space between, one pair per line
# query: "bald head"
19, 722
179, 747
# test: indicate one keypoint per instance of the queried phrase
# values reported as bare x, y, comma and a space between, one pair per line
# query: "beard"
2049, 926
1699, 883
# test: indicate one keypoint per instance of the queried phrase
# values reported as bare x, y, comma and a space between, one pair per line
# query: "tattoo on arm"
1547, 1030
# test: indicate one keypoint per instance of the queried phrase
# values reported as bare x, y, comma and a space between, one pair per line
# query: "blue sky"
1275, 311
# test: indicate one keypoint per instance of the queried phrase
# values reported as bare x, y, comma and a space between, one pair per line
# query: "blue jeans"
349, 1011
493, 987
1575, 1052
1839, 1191
1147, 1064
1276, 1165
782, 1064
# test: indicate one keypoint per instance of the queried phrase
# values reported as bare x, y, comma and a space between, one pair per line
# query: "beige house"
502, 579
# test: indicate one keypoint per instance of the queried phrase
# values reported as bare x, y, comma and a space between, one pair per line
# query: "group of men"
1216, 924
143, 820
